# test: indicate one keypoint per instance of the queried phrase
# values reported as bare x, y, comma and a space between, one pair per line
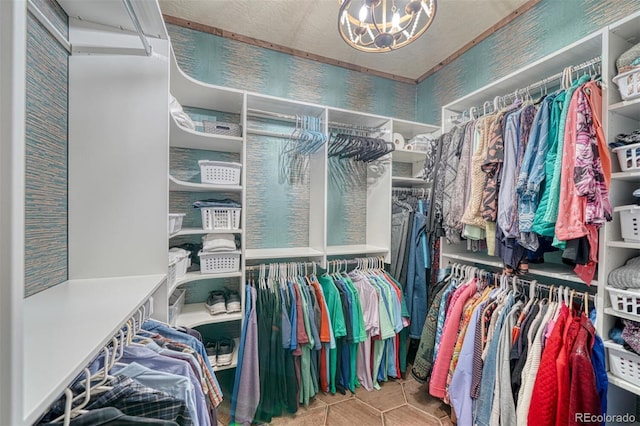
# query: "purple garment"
248, 395
197, 375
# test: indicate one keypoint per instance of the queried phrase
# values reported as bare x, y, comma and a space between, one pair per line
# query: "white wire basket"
623, 364
628, 156
217, 218
220, 172
627, 301
629, 222
175, 222
628, 84
176, 303
218, 263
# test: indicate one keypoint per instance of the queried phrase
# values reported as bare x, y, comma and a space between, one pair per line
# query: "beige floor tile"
418, 395
329, 399
389, 396
409, 416
304, 417
352, 412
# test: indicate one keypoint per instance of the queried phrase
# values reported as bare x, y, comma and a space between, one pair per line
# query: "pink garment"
437, 385
370, 315
571, 207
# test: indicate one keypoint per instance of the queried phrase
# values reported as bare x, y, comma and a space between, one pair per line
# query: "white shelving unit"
196, 94
180, 185
196, 314
619, 117
283, 253
200, 231
182, 137
51, 336
88, 311
356, 249
234, 359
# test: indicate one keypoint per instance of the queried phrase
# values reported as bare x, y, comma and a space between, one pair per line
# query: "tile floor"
398, 403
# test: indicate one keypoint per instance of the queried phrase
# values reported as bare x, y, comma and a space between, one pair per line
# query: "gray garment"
503, 410
453, 222
450, 172
507, 206
399, 235
627, 276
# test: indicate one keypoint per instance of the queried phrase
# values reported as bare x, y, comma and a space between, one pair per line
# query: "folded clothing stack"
215, 243
626, 139
627, 276
627, 334
225, 203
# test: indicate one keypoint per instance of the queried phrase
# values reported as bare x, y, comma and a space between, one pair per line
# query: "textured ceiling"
311, 26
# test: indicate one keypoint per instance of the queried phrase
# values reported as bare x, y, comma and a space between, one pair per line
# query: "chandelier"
384, 25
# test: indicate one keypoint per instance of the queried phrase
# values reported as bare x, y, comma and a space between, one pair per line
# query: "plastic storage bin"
628, 84
628, 156
219, 262
176, 302
219, 172
179, 262
175, 222
214, 218
623, 363
629, 222
627, 301
222, 128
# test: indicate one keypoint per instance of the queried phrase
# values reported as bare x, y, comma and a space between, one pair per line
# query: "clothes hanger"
69, 410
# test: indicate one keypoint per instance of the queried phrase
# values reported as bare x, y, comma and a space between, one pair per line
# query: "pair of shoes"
220, 352
220, 302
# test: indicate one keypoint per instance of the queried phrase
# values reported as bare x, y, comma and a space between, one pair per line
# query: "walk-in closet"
408, 212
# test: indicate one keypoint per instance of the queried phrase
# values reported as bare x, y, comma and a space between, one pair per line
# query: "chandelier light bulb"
384, 25
363, 13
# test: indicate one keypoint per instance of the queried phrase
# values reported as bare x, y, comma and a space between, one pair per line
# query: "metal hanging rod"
541, 83
421, 191
278, 265
257, 113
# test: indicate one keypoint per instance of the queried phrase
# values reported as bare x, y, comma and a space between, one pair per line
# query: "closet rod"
415, 191
257, 113
492, 104
277, 265
138, 27
46, 23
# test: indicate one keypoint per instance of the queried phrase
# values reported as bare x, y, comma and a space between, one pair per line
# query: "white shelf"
408, 156
407, 181
623, 244
615, 380
200, 231
625, 315
234, 360
180, 185
181, 137
411, 128
278, 253
355, 249
629, 109
338, 115
84, 313
197, 276
551, 270
633, 176
195, 314
194, 93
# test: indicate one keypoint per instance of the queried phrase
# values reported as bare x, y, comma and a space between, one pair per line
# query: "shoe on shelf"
225, 351
216, 303
233, 302
212, 352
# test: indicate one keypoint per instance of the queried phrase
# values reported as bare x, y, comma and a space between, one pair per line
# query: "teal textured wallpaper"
548, 26
230, 63
46, 153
